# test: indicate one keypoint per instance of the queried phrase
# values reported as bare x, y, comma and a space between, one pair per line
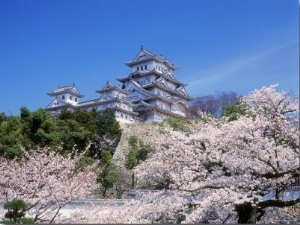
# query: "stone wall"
276, 215
147, 132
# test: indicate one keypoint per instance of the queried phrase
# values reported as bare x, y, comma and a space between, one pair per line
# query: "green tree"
108, 133
72, 133
109, 174
11, 137
38, 128
75, 128
177, 124
233, 112
131, 159
85, 119
16, 212
2, 117
138, 151
107, 124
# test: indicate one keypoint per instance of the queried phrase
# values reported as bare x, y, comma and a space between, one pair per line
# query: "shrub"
16, 212
177, 124
138, 152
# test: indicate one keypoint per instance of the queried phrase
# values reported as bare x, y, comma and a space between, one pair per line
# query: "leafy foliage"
138, 151
233, 112
107, 134
16, 212
11, 136
109, 174
177, 124
39, 129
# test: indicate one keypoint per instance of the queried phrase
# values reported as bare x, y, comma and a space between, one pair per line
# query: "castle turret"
66, 97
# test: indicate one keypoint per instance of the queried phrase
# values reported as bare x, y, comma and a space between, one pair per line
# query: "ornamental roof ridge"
147, 55
168, 89
66, 89
140, 88
143, 104
180, 87
87, 101
168, 76
142, 50
145, 72
110, 86
105, 97
147, 51
160, 97
55, 99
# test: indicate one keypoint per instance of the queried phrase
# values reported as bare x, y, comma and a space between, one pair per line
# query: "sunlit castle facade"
149, 93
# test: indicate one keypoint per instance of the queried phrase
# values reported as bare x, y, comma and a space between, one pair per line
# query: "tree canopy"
219, 170
39, 129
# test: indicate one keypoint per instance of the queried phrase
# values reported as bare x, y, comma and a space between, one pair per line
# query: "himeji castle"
149, 93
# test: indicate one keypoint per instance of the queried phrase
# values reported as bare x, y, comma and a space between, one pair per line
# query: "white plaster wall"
67, 98
171, 85
179, 109
124, 117
149, 66
152, 78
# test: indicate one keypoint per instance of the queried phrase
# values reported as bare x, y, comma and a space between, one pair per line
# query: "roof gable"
162, 82
182, 90
145, 55
109, 86
169, 75
105, 97
57, 103
66, 89
142, 105
135, 88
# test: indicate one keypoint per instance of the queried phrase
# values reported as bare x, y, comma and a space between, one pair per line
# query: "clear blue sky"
220, 45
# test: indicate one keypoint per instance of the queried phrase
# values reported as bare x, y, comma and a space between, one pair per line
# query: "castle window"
75, 99
141, 67
71, 97
63, 97
145, 67
137, 68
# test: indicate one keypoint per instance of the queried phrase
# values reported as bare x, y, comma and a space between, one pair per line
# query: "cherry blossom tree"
231, 165
47, 181
216, 170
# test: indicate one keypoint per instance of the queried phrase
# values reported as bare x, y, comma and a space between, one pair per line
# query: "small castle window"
63, 97
141, 67
75, 99
71, 97
137, 68
145, 67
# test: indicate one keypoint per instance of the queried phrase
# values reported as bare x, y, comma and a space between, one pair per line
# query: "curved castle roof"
144, 55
